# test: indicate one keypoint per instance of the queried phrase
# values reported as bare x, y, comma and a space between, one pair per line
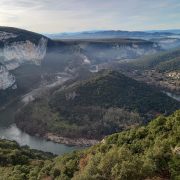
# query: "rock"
70, 141
23, 51
6, 79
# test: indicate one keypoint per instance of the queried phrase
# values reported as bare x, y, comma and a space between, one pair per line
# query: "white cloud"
76, 15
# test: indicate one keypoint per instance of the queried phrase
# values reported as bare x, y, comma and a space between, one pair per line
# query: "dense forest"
146, 152
106, 103
171, 65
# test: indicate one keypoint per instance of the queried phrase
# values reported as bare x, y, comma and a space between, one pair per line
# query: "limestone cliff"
25, 51
6, 79
18, 47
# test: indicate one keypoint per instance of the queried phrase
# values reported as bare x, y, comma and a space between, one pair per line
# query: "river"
8, 130
174, 96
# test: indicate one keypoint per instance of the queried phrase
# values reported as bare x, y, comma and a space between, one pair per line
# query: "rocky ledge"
69, 141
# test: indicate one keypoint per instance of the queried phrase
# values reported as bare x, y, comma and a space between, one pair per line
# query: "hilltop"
107, 102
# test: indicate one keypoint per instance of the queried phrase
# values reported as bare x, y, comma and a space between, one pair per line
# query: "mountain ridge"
110, 33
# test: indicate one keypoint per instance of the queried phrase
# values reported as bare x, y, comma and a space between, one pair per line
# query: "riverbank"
69, 141
12, 132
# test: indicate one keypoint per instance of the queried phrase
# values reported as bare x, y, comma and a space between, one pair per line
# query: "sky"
53, 16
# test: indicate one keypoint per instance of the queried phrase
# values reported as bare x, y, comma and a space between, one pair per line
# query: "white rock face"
85, 59
16, 53
6, 79
124, 51
169, 43
11, 65
117, 51
25, 51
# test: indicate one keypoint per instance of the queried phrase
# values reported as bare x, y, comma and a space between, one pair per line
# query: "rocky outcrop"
70, 141
71, 95
14, 53
11, 65
23, 51
176, 150
6, 79
135, 50
113, 50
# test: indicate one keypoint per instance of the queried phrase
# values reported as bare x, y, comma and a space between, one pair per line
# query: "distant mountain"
167, 39
147, 152
110, 34
106, 103
173, 31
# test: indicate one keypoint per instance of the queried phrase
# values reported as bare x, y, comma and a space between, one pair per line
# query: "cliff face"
21, 45
115, 49
25, 51
16, 49
6, 79
134, 50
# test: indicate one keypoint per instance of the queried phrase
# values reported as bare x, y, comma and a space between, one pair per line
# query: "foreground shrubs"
148, 152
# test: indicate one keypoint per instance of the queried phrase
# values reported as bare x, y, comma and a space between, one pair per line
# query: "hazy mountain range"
115, 34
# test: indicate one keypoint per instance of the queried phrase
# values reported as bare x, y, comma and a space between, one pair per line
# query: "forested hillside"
104, 104
147, 152
171, 65
161, 70
165, 61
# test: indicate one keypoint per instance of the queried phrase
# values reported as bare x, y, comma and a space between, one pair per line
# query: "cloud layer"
78, 15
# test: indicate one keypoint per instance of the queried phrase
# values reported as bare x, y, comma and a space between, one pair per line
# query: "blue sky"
50, 16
